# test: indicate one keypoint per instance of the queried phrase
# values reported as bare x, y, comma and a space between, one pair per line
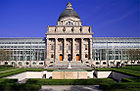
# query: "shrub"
50, 70
19, 87
88, 69
5, 66
69, 81
34, 69
8, 81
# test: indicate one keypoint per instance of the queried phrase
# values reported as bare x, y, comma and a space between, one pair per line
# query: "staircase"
64, 65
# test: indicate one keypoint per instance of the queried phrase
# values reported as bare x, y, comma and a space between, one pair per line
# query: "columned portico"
69, 47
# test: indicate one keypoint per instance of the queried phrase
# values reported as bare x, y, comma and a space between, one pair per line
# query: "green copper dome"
68, 12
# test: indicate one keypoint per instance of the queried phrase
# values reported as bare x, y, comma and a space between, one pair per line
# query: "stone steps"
64, 65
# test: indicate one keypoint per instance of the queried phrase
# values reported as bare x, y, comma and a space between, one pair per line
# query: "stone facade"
69, 75
69, 41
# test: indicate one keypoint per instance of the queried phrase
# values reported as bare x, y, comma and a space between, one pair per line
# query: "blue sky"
108, 18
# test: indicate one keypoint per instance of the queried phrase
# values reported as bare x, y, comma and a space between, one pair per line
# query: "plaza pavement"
70, 88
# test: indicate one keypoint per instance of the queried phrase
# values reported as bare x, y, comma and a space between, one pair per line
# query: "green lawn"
3, 68
128, 84
134, 70
20, 70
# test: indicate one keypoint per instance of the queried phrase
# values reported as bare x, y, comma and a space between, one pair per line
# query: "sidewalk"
70, 88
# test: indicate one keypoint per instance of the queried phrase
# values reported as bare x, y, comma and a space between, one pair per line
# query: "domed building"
69, 41
69, 44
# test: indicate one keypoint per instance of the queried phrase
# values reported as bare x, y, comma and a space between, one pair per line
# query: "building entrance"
61, 57
77, 57
69, 57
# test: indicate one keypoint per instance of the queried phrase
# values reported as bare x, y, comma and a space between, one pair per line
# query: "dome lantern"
69, 6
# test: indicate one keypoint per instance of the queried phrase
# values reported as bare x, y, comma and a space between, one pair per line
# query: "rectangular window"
111, 57
52, 47
21, 58
86, 48
116, 57
28, 58
69, 47
77, 47
60, 47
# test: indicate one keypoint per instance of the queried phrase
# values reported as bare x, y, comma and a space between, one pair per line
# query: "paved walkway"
71, 88
9, 70
23, 81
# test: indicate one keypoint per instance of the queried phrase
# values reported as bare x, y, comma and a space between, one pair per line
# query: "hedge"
19, 87
69, 81
11, 85
6, 66
8, 81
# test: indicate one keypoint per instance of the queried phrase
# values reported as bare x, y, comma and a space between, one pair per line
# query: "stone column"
65, 50
73, 44
47, 48
82, 49
56, 49
90, 48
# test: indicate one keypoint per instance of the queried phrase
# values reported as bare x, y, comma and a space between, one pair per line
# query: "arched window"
97, 63
27, 63
104, 62
34, 63
69, 23
6, 63
52, 55
13, 63
86, 56
20, 63
41, 63
111, 62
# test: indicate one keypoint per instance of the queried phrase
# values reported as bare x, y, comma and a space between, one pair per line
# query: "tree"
133, 55
5, 55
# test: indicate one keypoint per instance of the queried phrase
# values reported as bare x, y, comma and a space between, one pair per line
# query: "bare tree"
133, 55
5, 55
